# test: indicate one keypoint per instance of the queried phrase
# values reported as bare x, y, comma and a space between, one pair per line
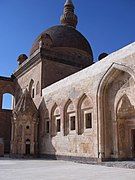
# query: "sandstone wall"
53, 71
87, 81
24, 80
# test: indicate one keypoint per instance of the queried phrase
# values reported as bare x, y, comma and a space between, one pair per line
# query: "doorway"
27, 151
133, 142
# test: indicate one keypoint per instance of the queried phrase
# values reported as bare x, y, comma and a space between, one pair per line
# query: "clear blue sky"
107, 24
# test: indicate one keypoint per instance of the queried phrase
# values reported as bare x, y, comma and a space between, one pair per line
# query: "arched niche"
124, 108
116, 78
85, 113
55, 120
125, 114
32, 88
69, 117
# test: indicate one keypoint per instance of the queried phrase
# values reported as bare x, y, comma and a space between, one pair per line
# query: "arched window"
32, 88
56, 120
85, 113
69, 118
37, 88
7, 101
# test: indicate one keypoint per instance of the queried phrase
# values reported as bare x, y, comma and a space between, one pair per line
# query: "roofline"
6, 78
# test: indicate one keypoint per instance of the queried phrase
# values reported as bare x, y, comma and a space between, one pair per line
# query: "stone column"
32, 142
62, 120
76, 119
23, 146
12, 130
12, 136
15, 138
115, 136
36, 137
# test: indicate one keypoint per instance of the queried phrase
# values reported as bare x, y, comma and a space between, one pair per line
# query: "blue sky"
107, 24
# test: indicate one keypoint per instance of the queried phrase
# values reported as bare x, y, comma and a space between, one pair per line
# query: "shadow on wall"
46, 148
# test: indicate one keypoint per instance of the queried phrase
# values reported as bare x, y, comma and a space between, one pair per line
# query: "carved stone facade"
24, 139
62, 110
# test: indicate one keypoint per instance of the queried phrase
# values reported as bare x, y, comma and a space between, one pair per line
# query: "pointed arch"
32, 88
110, 75
84, 111
69, 117
125, 113
112, 70
124, 108
55, 120
67, 104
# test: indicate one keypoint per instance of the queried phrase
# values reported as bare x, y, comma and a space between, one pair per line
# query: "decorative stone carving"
71, 107
125, 109
57, 111
24, 127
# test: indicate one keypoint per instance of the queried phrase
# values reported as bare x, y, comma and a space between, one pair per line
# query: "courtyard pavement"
60, 170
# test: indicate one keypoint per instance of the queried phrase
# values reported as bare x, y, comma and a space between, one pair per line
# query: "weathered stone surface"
88, 114
119, 68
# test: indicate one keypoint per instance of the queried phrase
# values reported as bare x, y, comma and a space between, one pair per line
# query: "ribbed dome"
65, 36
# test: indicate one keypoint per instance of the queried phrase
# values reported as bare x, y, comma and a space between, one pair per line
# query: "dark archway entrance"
27, 151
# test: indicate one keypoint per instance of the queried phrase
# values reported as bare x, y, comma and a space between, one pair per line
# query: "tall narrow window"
58, 125
33, 93
85, 107
37, 88
72, 123
47, 127
88, 120
69, 118
55, 120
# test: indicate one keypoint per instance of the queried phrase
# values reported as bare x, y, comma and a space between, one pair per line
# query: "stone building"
65, 105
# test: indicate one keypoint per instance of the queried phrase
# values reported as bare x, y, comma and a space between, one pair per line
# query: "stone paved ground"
60, 170
121, 164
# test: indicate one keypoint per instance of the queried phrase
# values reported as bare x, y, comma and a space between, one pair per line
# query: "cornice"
2, 78
63, 58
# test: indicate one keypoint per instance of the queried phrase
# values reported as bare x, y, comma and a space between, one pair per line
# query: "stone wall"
5, 128
6, 86
89, 82
24, 80
53, 71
